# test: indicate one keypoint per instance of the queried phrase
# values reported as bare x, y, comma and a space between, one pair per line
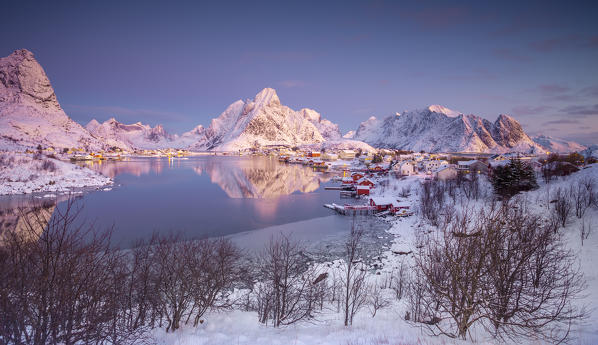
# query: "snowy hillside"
437, 128
557, 145
23, 174
29, 111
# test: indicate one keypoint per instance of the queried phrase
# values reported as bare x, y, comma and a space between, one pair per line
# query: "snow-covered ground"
388, 325
23, 174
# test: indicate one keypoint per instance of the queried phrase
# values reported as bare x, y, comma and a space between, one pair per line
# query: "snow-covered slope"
591, 151
557, 145
328, 129
29, 111
437, 128
136, 135
23, 174
264, 121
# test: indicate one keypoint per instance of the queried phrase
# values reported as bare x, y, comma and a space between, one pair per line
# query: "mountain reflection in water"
204, 196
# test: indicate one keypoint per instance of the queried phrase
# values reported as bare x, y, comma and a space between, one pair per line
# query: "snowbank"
23, 174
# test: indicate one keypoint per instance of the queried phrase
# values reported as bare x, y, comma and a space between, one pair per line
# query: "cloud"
584, 138
129, 114
561, 122
551, 89
591, 91
358, 38
292, 83
510, 54
556, 43
530, 110
581, 110
476, 74
284, 56
437, 17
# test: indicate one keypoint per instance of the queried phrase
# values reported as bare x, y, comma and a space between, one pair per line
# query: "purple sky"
183, 64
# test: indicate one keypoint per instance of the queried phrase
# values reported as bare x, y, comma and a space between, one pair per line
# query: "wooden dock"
352, 209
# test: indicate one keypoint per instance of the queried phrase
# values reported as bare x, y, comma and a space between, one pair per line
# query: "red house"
346, 181
382, 203
363, 190
357, 176
366, 182
399, 207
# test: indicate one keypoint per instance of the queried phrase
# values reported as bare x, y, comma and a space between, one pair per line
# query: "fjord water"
211, 196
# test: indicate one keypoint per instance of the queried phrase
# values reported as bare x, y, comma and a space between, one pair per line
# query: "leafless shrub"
501, 265
60, 282
52, 288
562, 206
431, 200
189, 276
288, 291
405, 191
400, 280
585, 229
352, 280
471, 186
376, 298
48, 165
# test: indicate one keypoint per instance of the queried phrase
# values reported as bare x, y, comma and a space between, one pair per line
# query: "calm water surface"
207, 196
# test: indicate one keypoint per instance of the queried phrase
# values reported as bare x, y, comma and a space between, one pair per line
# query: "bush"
48, 165
501, 266
61, 282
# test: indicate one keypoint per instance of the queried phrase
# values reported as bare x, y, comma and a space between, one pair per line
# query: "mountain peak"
443, 110
23, 80
267, 96
22, 54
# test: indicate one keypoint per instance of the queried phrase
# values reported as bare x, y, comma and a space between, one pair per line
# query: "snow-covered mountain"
29, 111
558, 145
437, 128
133, 136
265, 121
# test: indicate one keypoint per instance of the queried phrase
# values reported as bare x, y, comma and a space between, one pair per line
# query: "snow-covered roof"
467, 162
383, 200
443, 167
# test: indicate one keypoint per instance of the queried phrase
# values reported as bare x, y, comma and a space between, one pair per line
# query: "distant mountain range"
30, 115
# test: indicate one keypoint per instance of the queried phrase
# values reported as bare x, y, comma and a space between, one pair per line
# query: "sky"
181, 64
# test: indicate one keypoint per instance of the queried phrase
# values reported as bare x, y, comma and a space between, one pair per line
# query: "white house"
329, 156
431, 165
445, 172
472, 166
404, 168
347, 154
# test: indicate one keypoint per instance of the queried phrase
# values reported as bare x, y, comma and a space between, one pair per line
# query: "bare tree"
501, 265
52, 287
190, 276
451, 274
562, 206
532, 278
399, 280
353, 275
585, 229
288, 290
376, 298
